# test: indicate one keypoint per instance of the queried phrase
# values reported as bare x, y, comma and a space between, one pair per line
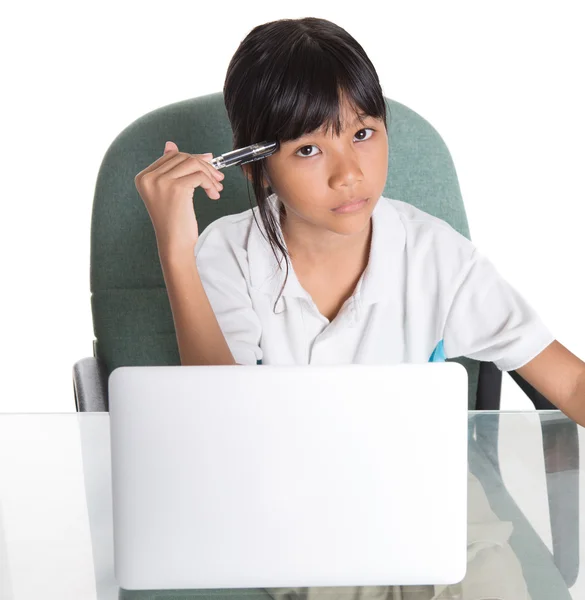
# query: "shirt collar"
379, 277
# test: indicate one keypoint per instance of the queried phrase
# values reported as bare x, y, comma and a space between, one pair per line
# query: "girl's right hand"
166, 187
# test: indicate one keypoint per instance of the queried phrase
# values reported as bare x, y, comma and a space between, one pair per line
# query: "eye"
302, 155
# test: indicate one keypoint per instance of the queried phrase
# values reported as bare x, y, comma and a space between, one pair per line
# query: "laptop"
286, 476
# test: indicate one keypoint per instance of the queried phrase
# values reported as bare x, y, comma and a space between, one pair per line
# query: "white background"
501, 82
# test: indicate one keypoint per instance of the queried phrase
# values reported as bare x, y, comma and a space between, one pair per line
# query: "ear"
248, 174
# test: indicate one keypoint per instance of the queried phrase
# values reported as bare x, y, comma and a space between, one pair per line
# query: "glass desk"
524, 514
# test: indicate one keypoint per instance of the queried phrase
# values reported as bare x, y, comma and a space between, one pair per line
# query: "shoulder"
425, 233
222, 248
227, 232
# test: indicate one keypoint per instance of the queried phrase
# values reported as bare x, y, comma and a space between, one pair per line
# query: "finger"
172, 160
193, 163
211, 170
171, 150
175, 157
207, 158
203, 180
170, 147
202, 163
216, 173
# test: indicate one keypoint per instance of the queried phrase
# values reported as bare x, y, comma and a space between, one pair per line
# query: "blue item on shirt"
438, 354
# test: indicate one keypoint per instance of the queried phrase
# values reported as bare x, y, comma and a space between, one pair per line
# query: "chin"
351, 225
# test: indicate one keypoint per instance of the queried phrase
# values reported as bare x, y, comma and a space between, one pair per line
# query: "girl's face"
319, 172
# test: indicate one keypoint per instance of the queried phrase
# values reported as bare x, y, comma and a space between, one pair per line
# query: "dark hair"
285, 80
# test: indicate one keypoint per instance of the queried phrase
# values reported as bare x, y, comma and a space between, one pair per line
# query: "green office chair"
132, 319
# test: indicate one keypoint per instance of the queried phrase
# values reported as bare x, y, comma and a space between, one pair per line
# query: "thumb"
169, 146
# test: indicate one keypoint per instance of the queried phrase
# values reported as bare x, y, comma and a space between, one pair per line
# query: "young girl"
365, 278
326, 270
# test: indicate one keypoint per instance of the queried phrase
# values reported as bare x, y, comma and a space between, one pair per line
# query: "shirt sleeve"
221, 269
488, 320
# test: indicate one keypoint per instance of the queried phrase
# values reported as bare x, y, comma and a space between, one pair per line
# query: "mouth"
351, 206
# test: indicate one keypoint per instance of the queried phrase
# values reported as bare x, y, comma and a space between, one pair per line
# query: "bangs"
310, 93
285, 82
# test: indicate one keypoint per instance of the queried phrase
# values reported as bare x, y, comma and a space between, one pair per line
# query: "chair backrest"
132, 319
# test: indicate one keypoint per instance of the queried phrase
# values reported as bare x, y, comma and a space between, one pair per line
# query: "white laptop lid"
286, 476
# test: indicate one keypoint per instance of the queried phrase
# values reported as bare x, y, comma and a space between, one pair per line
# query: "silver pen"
241, 156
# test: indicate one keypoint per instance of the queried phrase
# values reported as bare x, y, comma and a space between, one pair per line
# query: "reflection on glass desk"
524, 514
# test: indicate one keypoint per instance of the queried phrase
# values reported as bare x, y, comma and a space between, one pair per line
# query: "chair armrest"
560, 440
90, 385
489, 387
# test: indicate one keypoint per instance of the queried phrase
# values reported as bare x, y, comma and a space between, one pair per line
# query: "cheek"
302, 183
381, 161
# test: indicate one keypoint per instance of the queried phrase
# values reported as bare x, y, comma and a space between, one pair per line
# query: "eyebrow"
357, 120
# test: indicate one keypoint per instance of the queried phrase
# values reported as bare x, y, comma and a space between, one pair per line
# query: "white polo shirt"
426, 294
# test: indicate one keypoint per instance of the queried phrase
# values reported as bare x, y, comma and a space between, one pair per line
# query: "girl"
365, 278
331, 271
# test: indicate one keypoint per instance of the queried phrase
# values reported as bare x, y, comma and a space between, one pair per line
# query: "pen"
241, 156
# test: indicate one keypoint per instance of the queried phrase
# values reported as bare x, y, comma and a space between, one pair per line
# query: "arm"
559, 376
490, 321
199, 337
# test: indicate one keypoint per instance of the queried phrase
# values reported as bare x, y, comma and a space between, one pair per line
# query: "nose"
345, 170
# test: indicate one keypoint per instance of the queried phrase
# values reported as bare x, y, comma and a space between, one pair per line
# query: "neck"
321, 248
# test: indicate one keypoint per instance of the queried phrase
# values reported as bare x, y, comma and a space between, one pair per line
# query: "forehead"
349, 115
349, 118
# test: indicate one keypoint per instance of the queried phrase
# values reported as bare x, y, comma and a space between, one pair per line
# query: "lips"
351, 201
350, 205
